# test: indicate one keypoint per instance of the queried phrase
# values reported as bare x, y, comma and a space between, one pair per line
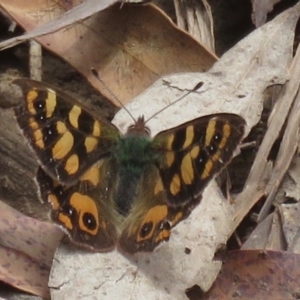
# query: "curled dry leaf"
27, 248
261, 10
130, 47
256, 274
235, 84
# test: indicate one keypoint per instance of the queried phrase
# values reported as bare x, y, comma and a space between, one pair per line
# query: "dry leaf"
27, 248
196, 18
130, 47
290, 187
290, 214
267, 235
259, 275
162, 274
261, 10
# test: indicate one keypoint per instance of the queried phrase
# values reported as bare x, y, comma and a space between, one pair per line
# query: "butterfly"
111, 190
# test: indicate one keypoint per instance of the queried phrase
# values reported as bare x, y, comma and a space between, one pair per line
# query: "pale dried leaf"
196, 18
259, 236
163, 274
291, 184
27, 248
81, 12
261, 10
235, 84
290, 215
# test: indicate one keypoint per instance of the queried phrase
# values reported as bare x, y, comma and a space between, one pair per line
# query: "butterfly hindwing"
84, 210
65, 137
151, 219
147, 223
194, 152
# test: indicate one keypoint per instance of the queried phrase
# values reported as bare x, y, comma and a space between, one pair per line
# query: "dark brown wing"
192, 153
151, 219
66, 138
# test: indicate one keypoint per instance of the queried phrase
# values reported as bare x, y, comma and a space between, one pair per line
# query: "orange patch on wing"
84, 204
207, 170
63, 146
38, 138
92, 174
187, 171
189, 136
175, 185
210, 131
50, 103
31, 96
72, 164
195, 152
97, 129
33, 124
226, 134
65, 220
177, 218
163, 235
170, 157
61, 127
90, 143
53, 201
74, 115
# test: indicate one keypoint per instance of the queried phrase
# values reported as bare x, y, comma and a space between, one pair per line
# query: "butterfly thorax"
133, 154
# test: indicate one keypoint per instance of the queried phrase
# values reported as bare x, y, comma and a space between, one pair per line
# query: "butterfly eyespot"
146, 229
89, 221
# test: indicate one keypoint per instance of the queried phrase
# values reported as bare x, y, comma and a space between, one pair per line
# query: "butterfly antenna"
197, 86
96, 74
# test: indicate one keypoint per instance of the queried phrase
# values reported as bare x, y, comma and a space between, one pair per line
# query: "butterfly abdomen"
133, 154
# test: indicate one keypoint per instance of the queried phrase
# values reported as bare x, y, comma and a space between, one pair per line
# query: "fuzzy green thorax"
133, 154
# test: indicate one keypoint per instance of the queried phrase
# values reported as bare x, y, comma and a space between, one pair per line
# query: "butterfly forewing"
65, 137
192, 153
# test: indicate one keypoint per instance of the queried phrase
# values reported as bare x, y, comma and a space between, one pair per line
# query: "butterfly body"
133, 156
109, 190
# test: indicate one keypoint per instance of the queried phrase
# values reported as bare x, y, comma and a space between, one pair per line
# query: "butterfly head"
139, 128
